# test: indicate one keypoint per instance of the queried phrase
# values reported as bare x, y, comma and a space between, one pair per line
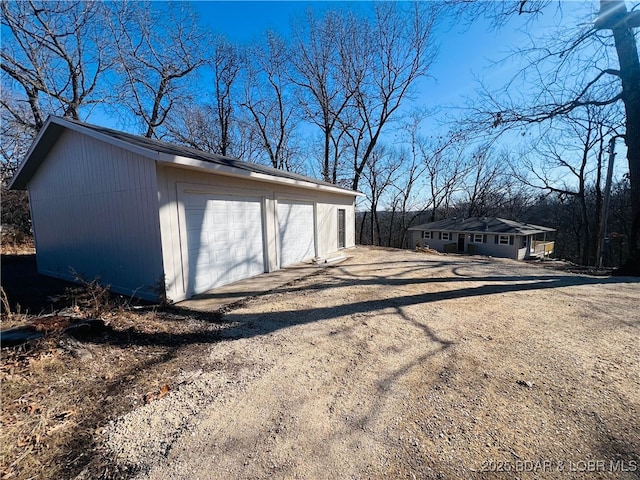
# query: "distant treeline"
576, 240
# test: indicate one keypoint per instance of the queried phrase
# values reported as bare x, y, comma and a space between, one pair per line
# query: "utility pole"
605, 207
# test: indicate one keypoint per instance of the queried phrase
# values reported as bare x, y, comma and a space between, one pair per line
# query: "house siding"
489, 247
493, 249
435, 243
94, 208
172, 181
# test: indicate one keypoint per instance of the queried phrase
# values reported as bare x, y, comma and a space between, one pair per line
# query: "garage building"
140, 213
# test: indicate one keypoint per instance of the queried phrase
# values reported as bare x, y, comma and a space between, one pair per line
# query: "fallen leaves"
151, 396
56, 400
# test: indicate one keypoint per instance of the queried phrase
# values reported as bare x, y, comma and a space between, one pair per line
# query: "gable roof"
483, 225
161, 152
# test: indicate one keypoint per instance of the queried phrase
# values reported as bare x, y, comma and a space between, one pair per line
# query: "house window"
446, 236
503, 239
524, 242
426, 235
478, 238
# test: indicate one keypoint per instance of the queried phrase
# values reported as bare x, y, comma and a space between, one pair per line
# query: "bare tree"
491, 186
380, 172
383, 59
567, 161
226, 66
195, 126
323, 95
446, 168
409, 184
587, 56
483, 183
213, 126
15, 138
53, 60
157, 52
407, 187
268, 99
16, 134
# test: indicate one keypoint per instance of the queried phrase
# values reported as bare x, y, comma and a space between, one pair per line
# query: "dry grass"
35, 417
58, 392
10, 318
18, 247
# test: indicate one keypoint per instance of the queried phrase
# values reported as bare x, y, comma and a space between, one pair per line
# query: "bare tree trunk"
364, 218
157, 53
374, 222
265, 98
614, 16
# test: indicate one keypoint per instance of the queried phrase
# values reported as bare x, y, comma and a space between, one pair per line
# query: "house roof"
161, 152
483, 225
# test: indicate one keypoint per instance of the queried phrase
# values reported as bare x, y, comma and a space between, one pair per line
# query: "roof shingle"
483, 225
55, 126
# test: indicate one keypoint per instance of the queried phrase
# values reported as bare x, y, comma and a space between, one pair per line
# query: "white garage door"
295, 225
224, 239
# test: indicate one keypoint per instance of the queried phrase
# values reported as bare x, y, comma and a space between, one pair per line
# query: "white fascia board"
247, 174
32, 147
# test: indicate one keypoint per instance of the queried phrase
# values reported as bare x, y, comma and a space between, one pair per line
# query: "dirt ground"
392, 364
405, 365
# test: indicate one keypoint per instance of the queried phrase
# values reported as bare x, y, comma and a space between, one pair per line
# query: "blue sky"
466, 52
246, 21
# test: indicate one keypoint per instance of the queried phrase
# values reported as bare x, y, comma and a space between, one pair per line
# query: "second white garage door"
296, 231
224, 239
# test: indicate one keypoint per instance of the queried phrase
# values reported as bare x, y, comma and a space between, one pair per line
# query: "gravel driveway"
400, 364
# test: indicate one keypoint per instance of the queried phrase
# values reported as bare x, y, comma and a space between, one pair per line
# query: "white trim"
176, 160
247, 174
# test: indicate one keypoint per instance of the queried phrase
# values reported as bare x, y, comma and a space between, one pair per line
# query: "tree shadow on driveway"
236, 324
271, 321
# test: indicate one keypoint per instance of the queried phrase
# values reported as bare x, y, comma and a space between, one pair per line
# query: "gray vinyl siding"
436, 243
173, 180
488, 247
95, 211
493, 249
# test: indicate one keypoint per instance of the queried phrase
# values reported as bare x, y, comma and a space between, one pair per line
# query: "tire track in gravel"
390, 364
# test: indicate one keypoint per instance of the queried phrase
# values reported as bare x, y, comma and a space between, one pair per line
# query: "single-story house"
151, 218
495, 237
